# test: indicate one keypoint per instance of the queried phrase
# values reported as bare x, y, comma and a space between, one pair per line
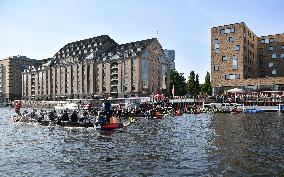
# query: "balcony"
114, 77
114, 70
114, 89
114, 83
114, 67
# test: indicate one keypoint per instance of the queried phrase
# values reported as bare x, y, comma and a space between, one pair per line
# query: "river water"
191, 145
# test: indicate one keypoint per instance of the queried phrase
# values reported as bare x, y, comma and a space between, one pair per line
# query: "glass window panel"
227, 30
145, 76
262, 41
216, 68
224, 58
235, 63
237, 48
217, 46
231, 39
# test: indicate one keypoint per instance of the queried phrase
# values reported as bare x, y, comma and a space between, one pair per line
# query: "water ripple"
190, 145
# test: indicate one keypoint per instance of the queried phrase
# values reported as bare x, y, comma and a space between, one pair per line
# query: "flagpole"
173, 91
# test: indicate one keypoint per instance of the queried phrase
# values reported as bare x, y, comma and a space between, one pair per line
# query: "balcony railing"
114, 72
114, 67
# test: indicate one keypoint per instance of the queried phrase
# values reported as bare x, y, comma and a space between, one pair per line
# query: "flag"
173, 90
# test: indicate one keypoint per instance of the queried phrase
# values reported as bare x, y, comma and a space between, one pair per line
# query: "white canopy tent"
235, 90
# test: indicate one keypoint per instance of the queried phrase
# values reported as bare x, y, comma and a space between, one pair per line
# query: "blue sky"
38, 29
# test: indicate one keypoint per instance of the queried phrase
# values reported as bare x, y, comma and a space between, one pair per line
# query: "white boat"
63, 106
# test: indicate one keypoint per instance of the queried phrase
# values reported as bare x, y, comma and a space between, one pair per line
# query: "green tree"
191, 84
206, 87
197, 86
179, 82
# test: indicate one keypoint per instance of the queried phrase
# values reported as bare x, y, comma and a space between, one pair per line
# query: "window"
270, 48
216, 41
237, 48
224, 58
273, 55
216, 68
271, 40
262, 73
217, 46
273, 72
282, 55
270, 64
231, 39
235, 63
261, 64
227, 30
145, 73
232, 76
262, 41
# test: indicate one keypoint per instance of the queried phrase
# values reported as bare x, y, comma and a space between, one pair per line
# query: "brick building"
10, 76
99, 66
241, 59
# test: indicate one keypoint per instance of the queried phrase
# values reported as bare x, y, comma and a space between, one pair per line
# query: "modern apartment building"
241, 59
11, 76
99, 66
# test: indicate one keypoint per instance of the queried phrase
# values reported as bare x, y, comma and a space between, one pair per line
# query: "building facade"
99, 66
170, 54
241, 59
10, 76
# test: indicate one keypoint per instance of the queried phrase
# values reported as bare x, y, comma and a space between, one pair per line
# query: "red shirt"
18, 106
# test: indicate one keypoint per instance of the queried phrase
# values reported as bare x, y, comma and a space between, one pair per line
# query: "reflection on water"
191, 145
248, 144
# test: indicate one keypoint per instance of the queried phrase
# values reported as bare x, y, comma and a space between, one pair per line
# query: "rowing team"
64, 116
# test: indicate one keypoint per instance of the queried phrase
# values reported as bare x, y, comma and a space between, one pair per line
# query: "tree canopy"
179, 83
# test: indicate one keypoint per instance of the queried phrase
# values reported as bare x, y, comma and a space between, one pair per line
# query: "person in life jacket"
18, 106
107, 110
90, 106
